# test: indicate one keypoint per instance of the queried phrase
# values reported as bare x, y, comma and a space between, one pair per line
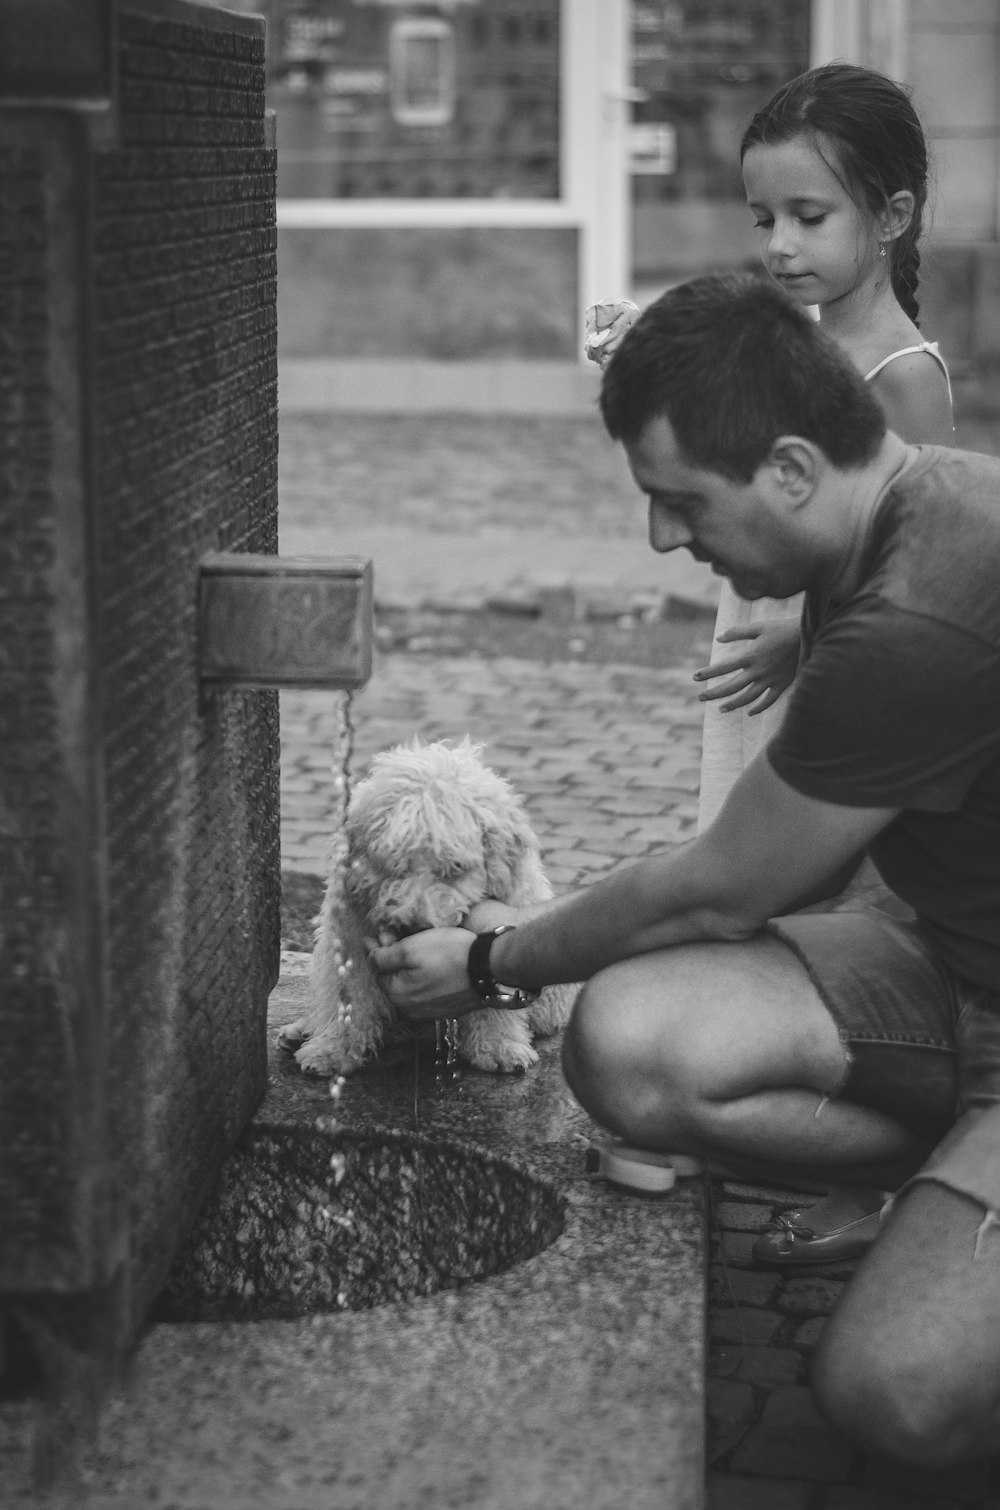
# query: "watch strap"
484, 982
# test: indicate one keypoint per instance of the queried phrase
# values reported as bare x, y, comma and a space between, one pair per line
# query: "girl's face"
813, 240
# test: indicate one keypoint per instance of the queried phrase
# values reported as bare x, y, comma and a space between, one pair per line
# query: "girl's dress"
730, 741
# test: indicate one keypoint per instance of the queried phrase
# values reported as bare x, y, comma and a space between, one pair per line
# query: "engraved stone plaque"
285, 621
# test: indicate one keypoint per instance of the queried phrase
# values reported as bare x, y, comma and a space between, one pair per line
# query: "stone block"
765, 1367
283, 622
743, 1324
810, 1297
808, 1334
730, 1400
736, 1248
741, 1216
745, 1287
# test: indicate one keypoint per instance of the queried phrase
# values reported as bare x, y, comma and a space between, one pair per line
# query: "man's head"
746, 428
732, 364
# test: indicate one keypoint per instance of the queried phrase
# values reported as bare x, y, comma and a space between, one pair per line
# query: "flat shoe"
792, 1242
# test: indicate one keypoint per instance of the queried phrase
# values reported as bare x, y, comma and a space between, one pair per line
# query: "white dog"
430, 832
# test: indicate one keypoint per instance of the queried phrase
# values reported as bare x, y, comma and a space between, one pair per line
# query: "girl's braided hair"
870, 121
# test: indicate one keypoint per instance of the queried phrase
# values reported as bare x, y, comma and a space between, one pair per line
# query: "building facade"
458, 181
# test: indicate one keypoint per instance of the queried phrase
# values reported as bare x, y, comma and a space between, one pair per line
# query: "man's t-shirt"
897, 703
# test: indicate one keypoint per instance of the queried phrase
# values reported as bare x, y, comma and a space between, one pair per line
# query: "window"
377, 99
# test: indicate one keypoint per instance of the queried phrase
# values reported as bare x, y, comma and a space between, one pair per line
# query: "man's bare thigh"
747, 1011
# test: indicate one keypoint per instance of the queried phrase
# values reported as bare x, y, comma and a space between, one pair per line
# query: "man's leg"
909, 1363
728, 1052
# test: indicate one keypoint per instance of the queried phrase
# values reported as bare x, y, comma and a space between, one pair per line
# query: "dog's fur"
430, 832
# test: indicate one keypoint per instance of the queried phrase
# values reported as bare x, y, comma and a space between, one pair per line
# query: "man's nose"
666, 531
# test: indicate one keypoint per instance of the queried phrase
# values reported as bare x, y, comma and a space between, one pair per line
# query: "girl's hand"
426, 975
606, 324
762, 670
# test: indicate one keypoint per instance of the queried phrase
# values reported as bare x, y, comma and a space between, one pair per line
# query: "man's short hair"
732, 364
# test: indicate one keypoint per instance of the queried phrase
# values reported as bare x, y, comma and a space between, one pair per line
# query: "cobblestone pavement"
768, 1446
459, 509
607, 759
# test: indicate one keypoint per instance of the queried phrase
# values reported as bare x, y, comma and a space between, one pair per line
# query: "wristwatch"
484, 982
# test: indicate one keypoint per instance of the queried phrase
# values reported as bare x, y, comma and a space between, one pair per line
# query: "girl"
835, 173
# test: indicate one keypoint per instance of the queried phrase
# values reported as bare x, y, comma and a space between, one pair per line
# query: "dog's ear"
507, 850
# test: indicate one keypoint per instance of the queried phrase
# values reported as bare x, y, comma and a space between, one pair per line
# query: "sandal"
792, 1242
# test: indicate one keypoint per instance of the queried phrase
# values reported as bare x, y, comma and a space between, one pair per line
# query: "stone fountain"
146, 620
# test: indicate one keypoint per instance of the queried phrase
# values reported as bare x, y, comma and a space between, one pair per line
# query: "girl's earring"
881, 250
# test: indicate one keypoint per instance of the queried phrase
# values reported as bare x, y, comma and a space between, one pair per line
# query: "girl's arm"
760, 671
913, 392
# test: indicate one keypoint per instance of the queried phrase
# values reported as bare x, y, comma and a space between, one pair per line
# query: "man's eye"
763, 224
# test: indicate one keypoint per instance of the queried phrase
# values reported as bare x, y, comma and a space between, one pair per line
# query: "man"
712, 1021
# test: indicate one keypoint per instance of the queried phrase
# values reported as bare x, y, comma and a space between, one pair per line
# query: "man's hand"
763, 668
426, 975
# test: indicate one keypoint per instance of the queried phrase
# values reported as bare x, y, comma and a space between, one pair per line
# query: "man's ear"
794, 465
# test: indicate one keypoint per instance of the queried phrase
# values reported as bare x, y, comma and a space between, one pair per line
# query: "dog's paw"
332, 1051
292, 1036
496, 1040
316, 1058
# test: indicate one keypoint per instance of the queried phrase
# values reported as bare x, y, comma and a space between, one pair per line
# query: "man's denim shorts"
922, 1043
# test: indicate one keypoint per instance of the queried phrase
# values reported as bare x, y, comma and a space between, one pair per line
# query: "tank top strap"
931, 348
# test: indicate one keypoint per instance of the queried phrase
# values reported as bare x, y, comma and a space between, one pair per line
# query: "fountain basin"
309, 1219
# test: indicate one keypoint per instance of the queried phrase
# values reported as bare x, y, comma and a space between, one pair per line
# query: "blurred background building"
458, 181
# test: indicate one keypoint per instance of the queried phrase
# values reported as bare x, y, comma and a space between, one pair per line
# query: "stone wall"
139, 888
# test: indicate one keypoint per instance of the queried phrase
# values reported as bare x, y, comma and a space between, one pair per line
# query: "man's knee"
624, 1061
897, 1400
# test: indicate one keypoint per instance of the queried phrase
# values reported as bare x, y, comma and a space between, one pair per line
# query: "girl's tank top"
931, 348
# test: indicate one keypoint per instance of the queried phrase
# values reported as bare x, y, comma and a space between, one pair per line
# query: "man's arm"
769, 848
